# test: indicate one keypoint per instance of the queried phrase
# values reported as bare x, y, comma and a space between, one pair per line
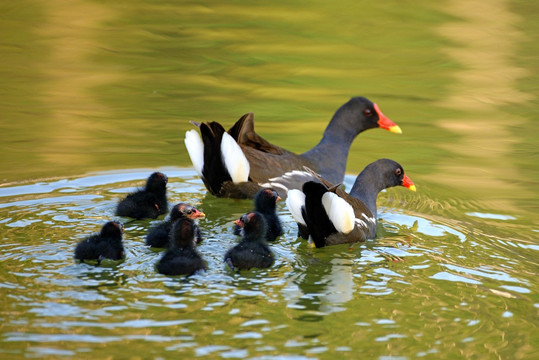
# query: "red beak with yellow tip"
385, 123
407, 183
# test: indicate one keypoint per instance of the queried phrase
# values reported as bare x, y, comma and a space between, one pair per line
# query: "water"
91, 105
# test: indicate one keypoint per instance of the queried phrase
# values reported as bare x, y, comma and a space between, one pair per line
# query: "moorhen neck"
252, 251
149, 202
105, 245
238, 163
159, 235
330, 216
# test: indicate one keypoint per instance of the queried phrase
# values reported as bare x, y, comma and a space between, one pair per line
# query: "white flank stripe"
235, 161
195, 148
277, 185
290, 174
339, 212
371, 219
295, 201
361, 222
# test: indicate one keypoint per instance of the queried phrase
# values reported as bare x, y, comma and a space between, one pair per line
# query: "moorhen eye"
398, 172
367, 112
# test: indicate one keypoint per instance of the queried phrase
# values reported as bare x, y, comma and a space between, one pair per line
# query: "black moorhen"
107, 244
265, 202
182, 257
238, 163
252, 251
149, 202
330, 216
159, 235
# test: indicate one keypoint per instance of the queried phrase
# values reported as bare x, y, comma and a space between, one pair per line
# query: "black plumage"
265, 203
107, 244
149, 202
158, 236
252, 251
182, 258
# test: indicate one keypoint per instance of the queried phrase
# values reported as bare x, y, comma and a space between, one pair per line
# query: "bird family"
239, 163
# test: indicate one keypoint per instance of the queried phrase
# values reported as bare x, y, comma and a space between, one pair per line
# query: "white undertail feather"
294, 202
339, 212
195, 148
235, 161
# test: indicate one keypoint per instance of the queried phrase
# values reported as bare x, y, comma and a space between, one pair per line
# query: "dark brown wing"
266, 166
317, 176
244, 133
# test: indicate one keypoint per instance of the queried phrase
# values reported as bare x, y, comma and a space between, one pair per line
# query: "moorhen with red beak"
159, 235
238, 163
149, 202
328, 215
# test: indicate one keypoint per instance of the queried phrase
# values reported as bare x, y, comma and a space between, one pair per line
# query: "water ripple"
213, 312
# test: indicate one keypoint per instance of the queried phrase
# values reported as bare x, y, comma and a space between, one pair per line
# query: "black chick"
252, 250
159, 235
107, 244
265, 203
149, 202
182, 258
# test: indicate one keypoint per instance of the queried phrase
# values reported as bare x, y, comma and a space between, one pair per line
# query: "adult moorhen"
158, 236
238, 163
107, 244
252, 251
149, 202
329, 216
182, 258
265, 203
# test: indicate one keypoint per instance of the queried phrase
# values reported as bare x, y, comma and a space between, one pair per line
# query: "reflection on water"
423, 286
98, 86
70, 78
484, 41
